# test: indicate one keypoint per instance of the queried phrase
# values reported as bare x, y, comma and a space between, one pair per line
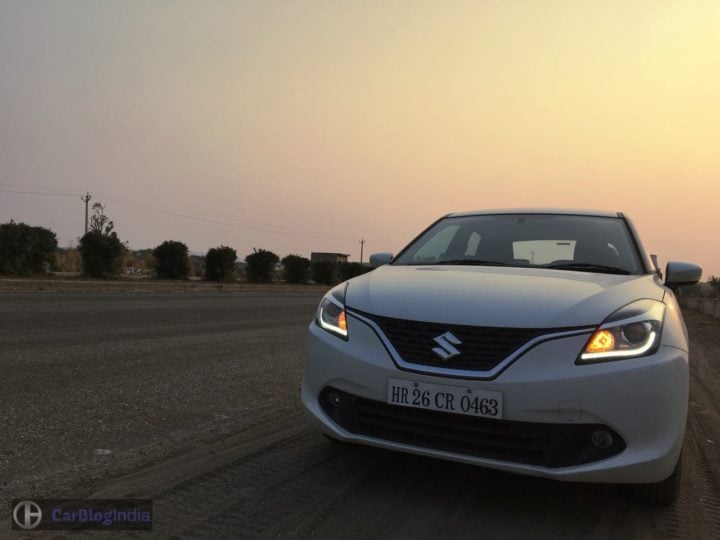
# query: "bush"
26, 250
171, 260
220, 263
100, 248
260, 265
102, 253
296, 269
714, 283
325, 272
351, 270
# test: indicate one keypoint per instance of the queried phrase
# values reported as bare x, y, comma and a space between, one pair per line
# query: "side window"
436, 246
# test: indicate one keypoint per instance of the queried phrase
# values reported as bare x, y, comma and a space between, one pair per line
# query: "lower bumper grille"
541, 444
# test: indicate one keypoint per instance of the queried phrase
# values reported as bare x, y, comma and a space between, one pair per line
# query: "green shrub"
260, 265
715, 283
296, 269
26, 250
100, 248
325, 272
171, 260
102, 253
220, 263
351, 270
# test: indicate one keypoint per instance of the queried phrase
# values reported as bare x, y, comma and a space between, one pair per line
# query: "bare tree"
99, 222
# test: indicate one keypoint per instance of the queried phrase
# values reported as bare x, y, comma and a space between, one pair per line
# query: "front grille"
541, 444
482, 348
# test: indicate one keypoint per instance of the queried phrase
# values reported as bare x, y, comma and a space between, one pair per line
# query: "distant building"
337, 258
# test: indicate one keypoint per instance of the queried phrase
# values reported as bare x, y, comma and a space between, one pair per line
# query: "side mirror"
379, 259
678, 274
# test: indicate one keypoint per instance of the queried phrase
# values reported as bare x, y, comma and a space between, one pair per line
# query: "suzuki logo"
446, 350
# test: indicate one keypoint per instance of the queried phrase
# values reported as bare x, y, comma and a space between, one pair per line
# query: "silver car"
542, 342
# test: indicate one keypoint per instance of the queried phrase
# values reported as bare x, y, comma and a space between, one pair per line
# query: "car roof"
564, 211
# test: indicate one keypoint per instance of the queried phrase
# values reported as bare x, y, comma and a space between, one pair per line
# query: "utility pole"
362, 246
86, 199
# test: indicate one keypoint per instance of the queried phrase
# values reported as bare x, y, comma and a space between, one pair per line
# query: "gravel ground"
192, 400
97, 384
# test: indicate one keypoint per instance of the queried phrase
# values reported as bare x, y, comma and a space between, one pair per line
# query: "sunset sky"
307, 125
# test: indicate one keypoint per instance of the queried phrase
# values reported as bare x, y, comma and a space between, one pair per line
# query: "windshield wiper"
589, 267
471, 262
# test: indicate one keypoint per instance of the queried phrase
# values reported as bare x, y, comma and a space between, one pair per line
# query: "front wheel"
665, 492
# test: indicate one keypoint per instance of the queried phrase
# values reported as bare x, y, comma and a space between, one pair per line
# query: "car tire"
665, 492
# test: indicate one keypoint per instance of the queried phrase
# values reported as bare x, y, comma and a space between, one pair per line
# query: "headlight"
633, 330
331, 314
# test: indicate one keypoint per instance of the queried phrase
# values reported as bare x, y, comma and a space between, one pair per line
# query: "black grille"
482, 348
547, 445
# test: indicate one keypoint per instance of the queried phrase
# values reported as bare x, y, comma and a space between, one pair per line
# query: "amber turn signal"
342, 320
602, 341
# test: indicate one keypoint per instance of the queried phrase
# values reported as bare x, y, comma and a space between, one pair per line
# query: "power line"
57, 194
188, 215
236, 225
44, 188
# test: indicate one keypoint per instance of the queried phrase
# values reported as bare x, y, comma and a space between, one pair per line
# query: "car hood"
497, 296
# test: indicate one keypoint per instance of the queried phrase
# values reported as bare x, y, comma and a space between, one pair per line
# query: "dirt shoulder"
55, 284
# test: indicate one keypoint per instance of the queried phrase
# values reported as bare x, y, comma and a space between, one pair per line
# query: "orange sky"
361, 119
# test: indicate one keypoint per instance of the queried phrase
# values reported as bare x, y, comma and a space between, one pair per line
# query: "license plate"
445, 398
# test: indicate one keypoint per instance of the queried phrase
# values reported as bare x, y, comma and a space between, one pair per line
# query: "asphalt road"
192, 399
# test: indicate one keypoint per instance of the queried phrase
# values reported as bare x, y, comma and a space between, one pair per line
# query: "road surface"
192, 400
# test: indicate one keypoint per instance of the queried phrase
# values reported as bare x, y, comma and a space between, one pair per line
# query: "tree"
325, 272
171, 260
260, 265
296, 269
99, 222
26, 250
715, 283
220, 263
100, 248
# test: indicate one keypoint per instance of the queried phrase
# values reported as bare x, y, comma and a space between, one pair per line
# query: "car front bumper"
643, 400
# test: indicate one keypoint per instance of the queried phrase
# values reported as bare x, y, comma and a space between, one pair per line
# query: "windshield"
563, 242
